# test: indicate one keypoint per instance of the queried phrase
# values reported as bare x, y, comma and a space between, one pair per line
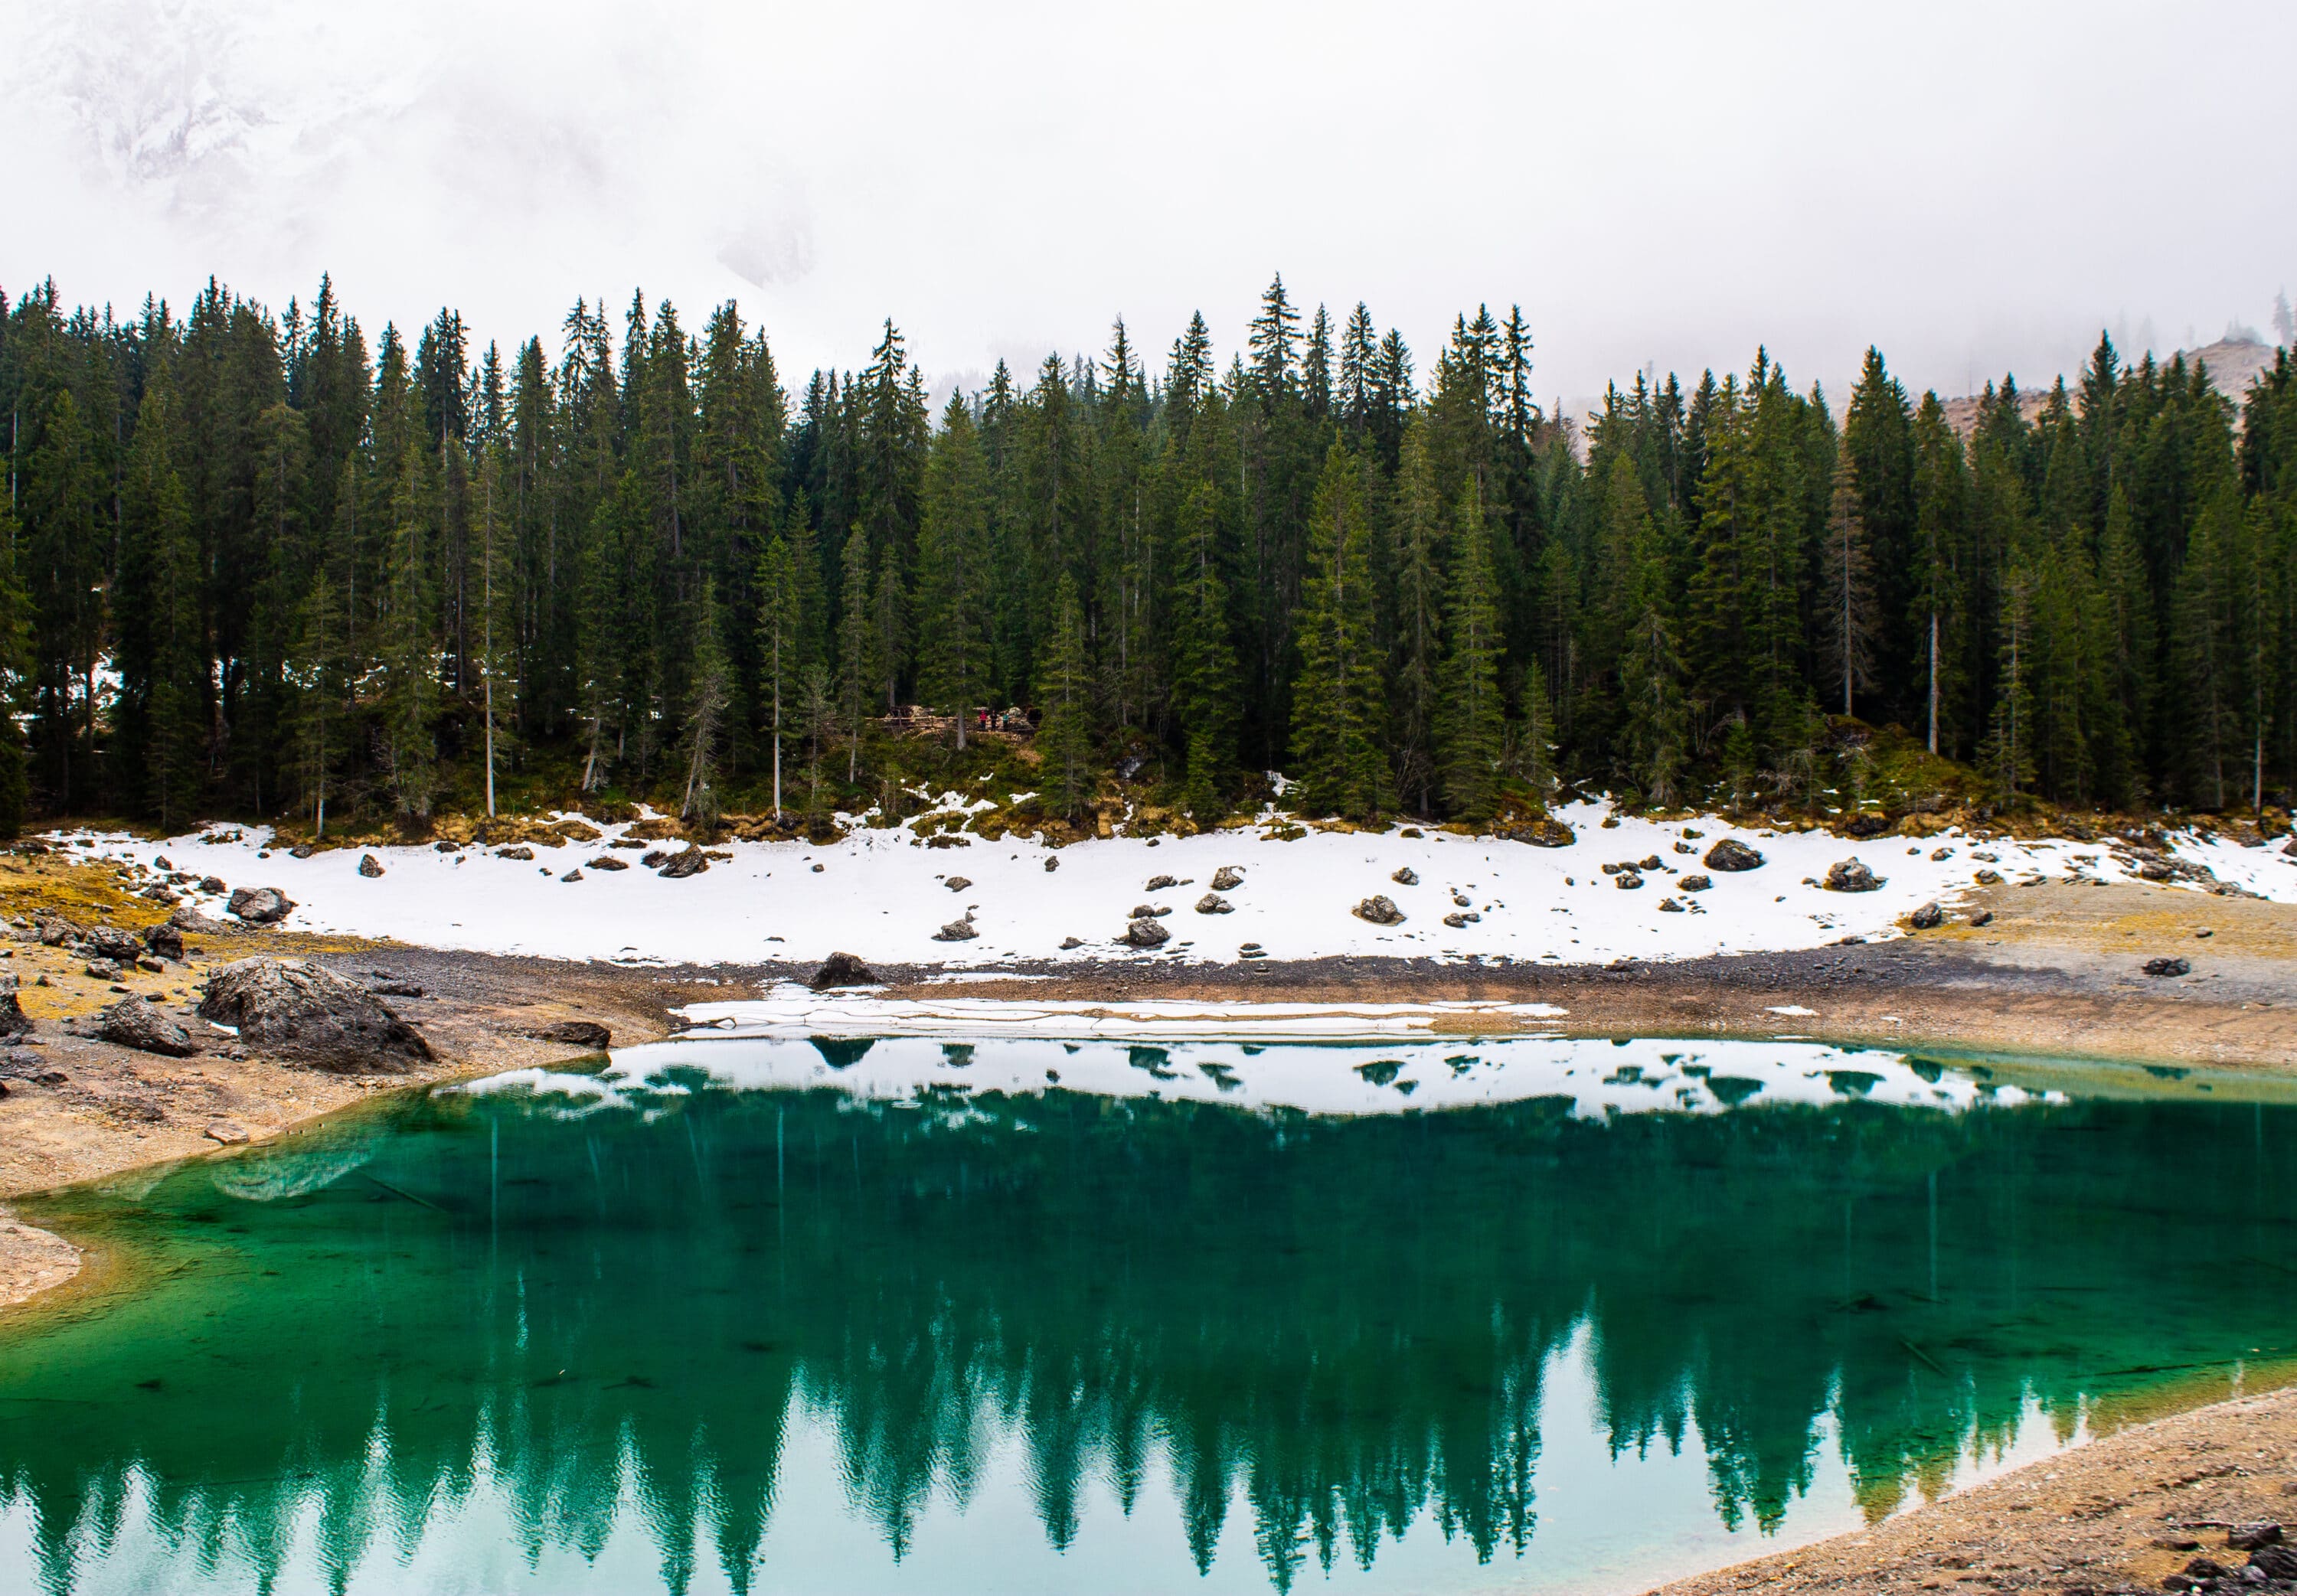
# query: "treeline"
257, 562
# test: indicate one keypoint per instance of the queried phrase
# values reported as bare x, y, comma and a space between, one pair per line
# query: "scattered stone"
575, 1034
163, 863
1227, 879
229, 1132
958, 883
842, 969
1460, 901
1213, 903
607, 861
188, 919
392, 987
942, 839
56, 931
2205, 934
1684, 848
1984, 916
1406, 877
152, 967
306, 1011
2253, 1537
1151, 912
1668, 906
2169, 966
1543, 833
121, 947
956, 931
261, 905
1866, 826
1930, 917
1144, 932
1157, 883
133, 1022
818, 869
103, 969
2279, 1562
1457, 920
1851, 876
1051, 865
444, 846
2174, 1543
1380, 910
1732, 855
1695, 883
14, 1021
2151, 870
1068, 942
370, 866
573, 874
655, 859
519, 852
680, 866
306, 851
211, 884
1627, 881
1940, 855
1650, 863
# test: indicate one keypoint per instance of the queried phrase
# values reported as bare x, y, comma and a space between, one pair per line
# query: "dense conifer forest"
265, 564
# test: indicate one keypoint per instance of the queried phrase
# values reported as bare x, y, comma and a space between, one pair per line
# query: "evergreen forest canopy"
255, 564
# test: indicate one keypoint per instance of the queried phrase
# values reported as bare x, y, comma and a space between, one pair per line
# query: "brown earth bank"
2125, 1513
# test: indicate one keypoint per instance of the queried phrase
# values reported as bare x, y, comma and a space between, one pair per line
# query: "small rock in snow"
261, 905
370, 866
1227, 879
1732, 855
1213, 903
680, 866
1051, 865
607, 861
1151, 912
1928, 917
956, 931
573, 874
1695, 883
1068, 942
522, 852
1455, 921
1668, 906
1144, 932
1380, 910
1851, 876
1157, 883
1627, 881
1406, 877
958, 883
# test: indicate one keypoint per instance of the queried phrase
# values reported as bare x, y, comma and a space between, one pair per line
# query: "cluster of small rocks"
2271, 1565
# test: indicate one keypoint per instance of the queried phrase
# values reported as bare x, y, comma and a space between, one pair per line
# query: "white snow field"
1600, 1077
881, 893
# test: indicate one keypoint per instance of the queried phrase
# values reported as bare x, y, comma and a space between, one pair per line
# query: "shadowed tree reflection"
1343, 1324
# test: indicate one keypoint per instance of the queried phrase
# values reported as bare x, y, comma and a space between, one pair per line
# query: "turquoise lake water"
705, 1328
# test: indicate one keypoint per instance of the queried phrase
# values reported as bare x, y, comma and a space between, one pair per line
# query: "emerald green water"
686, 1334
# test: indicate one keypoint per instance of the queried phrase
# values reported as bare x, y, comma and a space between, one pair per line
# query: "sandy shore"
2115, 1515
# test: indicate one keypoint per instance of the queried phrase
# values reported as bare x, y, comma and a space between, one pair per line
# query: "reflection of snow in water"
1594, 1076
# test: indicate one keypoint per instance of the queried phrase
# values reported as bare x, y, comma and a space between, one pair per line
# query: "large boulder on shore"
1380, 910
134, 1022
842, 969
1732, 855
308, 1013
261, 905
1851, 876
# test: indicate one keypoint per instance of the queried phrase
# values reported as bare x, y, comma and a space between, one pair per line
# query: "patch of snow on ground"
1599, 1077
880, 894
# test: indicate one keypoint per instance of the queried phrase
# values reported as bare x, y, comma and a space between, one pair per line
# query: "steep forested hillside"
262, 561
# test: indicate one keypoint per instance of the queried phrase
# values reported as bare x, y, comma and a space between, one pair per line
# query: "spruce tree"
410, 681
1471, 721
1416, 578
1336, 755
1848, 632
779, 654
1204, 675
953, 571
856, 656
1064, 739
709, 691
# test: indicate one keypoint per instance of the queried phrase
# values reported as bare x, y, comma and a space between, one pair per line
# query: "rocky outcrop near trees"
306, 1012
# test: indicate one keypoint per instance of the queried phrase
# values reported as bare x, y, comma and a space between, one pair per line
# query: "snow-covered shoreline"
885, 895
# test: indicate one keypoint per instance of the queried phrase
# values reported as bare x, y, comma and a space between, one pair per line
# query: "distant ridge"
2233, 364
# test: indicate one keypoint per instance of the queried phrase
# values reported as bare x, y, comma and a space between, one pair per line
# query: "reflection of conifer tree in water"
1260, 1303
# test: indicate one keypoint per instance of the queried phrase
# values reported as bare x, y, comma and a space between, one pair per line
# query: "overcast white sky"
1973, 186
